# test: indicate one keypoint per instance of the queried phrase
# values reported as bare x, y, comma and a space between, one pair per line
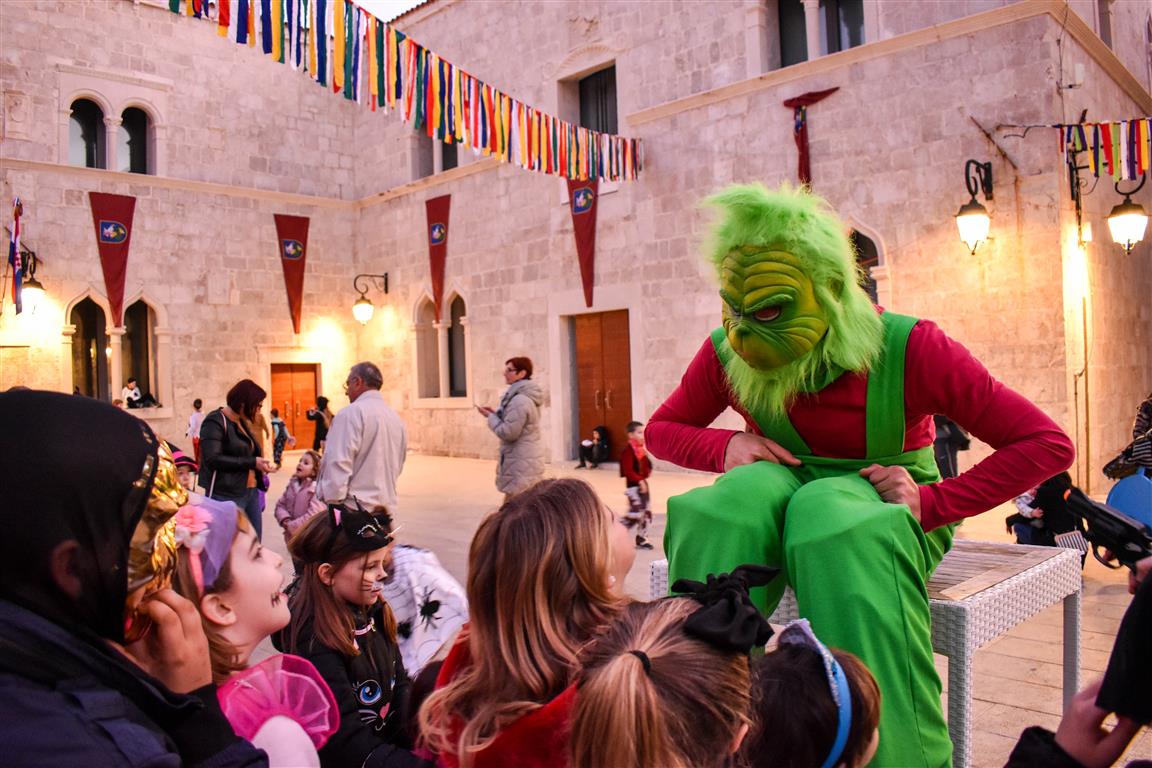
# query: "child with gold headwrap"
100, 662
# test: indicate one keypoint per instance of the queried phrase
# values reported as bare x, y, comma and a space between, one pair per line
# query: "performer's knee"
844, 511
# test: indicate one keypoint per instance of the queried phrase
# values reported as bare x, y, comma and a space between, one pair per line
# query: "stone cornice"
444, 177
166, 182
979, 22
131, 78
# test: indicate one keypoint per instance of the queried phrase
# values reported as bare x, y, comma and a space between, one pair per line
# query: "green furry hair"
794, 220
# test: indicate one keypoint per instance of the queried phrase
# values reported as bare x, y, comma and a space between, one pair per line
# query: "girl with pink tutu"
281, 704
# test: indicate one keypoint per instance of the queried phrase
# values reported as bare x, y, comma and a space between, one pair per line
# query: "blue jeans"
252, 504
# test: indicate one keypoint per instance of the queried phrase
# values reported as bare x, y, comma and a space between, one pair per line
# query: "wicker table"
980, 591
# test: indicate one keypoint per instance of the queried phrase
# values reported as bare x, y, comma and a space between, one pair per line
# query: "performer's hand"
484, 410
745, 448
894, 485
1081, 733
176, 650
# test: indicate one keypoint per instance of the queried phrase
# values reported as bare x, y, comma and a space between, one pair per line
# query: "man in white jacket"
366, 445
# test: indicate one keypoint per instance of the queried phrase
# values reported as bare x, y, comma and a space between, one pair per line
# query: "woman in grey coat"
517, 423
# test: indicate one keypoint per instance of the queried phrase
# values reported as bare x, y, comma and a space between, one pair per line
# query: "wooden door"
603, 375
293, 393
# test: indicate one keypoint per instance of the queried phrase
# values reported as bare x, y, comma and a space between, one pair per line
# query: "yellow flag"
338, 45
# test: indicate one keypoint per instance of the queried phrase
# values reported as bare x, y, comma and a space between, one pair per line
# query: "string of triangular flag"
1121, 149
339, 44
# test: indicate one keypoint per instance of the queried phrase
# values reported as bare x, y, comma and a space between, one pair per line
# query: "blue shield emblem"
112, 231
582, 199
438, 233
291, 249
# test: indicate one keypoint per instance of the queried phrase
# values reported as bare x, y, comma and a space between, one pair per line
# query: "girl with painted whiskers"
545, 575
341, 623
281, 705
667, 686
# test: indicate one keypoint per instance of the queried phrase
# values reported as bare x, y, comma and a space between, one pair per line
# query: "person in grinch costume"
834, 479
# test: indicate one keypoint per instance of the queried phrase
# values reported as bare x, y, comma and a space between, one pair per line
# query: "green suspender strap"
884, 417
779, 428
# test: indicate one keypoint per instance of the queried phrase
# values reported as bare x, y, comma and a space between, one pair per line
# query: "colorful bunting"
448, 104
1121, 149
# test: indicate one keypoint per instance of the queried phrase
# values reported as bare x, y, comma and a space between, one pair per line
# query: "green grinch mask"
771, 315
794, 311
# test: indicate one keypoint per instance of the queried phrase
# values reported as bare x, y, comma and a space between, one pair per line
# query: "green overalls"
858, 565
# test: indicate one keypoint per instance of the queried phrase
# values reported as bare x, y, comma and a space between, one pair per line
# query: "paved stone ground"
1017, 677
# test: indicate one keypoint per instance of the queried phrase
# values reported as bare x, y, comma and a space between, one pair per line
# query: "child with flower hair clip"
281, 704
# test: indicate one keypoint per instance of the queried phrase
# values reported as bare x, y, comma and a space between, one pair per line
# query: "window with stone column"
427, 351
86, 135
138, 355
134, 148
811, 28
457, 354
441, 351
90, 350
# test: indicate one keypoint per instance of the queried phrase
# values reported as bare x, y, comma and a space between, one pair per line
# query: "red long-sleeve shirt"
940, 376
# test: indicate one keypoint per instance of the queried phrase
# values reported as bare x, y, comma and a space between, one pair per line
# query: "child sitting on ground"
341, 623
667, 685
281, 705
636, 468
298, 505
594, 451
814, 707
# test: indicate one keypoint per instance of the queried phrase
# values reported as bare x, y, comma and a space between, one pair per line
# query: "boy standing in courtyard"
635, 468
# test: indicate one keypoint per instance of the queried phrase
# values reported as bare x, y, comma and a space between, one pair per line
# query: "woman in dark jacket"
232, 466
323, 416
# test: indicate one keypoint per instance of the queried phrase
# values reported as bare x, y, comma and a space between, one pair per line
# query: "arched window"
132, 151
457, 372
90, 350
86, 134
138, 356
427, 351
867, 257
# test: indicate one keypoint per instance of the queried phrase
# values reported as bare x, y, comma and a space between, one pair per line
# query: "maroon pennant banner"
112, 218
799, 106
292, 242
582, 198
437, 210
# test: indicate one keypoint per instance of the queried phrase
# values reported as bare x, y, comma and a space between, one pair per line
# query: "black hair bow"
727, 618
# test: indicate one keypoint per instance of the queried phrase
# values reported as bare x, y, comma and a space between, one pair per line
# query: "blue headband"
799, 632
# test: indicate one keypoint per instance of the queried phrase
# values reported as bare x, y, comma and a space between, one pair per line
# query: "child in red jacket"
635, 467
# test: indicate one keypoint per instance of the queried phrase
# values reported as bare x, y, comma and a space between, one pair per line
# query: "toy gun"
1127, 539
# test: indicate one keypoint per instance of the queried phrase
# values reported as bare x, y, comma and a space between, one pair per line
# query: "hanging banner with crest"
437, 211
112, 218
292, 244
582, 198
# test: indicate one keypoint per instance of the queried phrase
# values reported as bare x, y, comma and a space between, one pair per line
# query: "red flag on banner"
799, 106
292, 244
582, 196
437, 210
112, 218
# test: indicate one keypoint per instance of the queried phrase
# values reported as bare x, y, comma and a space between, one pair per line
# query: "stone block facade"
247, 138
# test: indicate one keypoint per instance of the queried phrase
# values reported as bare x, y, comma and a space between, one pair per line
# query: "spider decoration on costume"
429, 609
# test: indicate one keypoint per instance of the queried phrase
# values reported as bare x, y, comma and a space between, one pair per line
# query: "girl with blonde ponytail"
650, 696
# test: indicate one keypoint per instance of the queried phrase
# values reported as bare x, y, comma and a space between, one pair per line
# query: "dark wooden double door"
293, 393
603, 375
